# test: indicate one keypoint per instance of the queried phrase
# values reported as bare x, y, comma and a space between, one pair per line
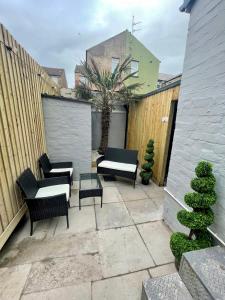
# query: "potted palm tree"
110, 89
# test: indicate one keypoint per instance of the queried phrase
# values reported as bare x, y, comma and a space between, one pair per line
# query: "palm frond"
96, 70
124, 68
133, 86
130, 75
83, 91
112, 86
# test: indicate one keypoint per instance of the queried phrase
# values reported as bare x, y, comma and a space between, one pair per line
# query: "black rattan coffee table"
90, 186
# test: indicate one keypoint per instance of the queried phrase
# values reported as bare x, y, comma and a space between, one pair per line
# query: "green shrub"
180, 243
203, 184
197, 200
146, 173
196, 219
146, 176
202, 215
203, 169
149, 156
148, 166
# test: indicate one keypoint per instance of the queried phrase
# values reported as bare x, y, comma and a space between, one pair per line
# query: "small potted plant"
146, 173
201, 215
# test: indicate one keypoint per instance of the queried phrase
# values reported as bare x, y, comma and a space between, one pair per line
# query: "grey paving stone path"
106, 253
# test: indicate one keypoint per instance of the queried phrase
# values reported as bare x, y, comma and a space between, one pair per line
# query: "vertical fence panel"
145, 122
22, 134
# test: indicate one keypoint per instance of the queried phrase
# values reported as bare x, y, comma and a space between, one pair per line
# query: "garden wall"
200, 126
22, 136
68, 131
117, 130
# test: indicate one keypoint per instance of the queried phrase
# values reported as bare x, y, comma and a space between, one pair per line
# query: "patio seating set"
50, 196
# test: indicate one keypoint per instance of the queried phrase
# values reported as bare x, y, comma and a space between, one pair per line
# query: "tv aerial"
134, 24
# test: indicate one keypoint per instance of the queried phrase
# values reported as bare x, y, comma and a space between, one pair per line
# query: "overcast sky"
57, 32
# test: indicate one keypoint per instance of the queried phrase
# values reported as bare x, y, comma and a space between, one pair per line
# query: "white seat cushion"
62, 170
54, 190
117, 166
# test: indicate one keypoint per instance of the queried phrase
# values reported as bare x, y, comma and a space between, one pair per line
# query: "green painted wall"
148, 64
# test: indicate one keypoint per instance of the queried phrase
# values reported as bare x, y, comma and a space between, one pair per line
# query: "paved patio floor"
105, 254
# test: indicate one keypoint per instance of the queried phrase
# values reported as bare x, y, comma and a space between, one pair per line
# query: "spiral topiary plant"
146, 173
200, 217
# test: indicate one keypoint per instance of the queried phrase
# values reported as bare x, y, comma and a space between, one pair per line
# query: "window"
55, 79
115, 62
82, 79
134, 67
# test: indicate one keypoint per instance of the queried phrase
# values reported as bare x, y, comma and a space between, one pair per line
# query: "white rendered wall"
200, 124
68, 132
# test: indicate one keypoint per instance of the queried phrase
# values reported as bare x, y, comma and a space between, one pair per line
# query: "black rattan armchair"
51, 169
46, 198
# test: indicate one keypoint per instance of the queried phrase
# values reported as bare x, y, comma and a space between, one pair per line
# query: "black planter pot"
145, 182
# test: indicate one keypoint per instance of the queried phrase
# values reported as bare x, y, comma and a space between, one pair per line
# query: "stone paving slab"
151, 186
74, 200
121, 181
64, 259
158, 202
122, 251
129, 193
79, 220
126, 287
110, 195
143, 211
157, 238
65, 271
112, 215
107, 183
163, 270
65, 245
41, 229
167, 287
155, 192
12, 281
75, 292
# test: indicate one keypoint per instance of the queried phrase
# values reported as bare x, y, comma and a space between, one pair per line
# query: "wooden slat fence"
22, 134
145, 122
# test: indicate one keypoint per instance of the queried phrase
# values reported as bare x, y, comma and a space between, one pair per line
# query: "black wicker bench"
118, 162
46, 198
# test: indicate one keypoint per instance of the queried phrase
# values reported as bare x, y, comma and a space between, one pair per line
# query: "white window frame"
115, 62
134, 67
82, 79
55, 79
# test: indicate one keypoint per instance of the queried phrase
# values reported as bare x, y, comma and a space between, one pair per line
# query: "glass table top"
89, 181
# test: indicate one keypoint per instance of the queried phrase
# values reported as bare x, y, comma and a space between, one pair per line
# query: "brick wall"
68, 132
200, 125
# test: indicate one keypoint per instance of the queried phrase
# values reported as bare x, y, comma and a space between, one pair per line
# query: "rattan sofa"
118, 162
55, 169
45, 198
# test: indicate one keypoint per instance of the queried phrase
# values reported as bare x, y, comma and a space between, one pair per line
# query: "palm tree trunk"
105, 129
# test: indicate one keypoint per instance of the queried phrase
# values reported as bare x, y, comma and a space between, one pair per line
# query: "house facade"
114, 50
200, 123
58, 76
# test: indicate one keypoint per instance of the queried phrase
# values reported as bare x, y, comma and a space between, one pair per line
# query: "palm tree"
110, 89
